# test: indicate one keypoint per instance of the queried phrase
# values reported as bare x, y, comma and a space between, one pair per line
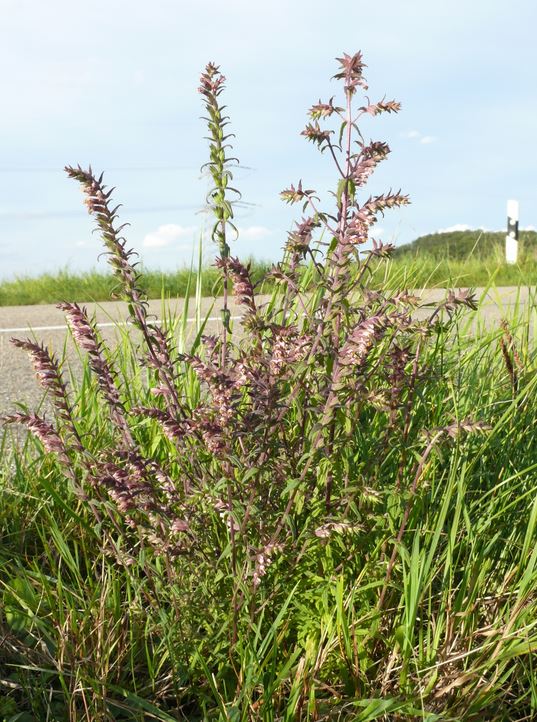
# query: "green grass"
423, 271
99, 286
88, 637
427, 272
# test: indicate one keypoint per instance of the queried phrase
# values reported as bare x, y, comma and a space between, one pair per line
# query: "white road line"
33, 329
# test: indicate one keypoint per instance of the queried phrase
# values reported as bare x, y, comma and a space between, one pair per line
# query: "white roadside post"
511, 239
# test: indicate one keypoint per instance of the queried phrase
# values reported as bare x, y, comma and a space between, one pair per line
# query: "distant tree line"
460, 245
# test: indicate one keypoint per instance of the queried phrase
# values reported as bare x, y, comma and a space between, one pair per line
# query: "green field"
101, 286
462, 258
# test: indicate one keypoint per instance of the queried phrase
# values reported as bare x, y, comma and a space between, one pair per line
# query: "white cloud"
254, 233
168, 234
528, 228
456, 227
411, 134
420, 137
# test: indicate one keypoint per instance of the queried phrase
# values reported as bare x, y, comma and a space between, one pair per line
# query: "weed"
298, 519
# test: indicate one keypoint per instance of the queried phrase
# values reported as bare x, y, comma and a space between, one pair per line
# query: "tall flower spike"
211, 86
316, 134
351, 72
383, 106
44, 431
218, 198
299, 239
366, 162
242, 284
98, 202
47, 370
119, 257
87, 339
294, 195
324, 110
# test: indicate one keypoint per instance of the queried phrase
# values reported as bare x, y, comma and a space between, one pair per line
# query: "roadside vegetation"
102, 286
440, 260
476, 245
424, 271
329, 514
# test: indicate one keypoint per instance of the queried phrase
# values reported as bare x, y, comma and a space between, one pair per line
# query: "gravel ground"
17, 382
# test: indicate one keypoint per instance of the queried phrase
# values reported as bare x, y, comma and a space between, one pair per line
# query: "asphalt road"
46, 324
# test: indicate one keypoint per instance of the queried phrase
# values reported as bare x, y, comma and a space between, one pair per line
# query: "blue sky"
114, 83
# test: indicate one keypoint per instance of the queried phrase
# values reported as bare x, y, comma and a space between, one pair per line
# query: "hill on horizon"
461, 245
